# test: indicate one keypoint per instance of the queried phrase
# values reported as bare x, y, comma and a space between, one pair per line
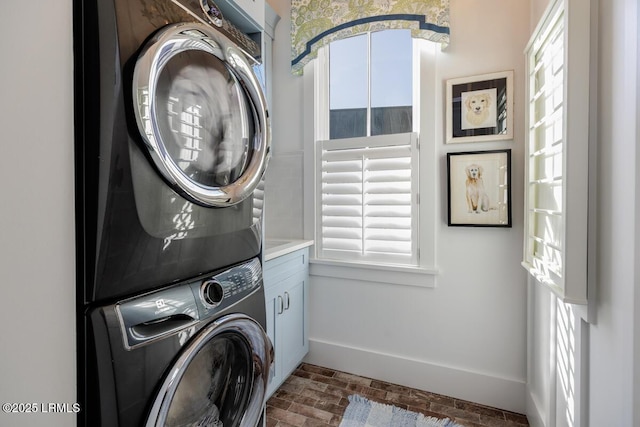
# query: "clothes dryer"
172, 143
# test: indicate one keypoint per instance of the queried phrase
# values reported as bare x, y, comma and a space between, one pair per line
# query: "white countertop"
274, 248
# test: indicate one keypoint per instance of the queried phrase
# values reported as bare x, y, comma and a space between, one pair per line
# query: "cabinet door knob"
286, 300
280, 305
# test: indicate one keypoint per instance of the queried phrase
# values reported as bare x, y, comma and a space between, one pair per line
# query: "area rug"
362, 412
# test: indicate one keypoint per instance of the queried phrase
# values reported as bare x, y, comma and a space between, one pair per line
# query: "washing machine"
193, 354
172, 141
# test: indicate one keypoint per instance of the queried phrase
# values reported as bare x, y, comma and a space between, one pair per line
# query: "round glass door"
220, 379
202, 115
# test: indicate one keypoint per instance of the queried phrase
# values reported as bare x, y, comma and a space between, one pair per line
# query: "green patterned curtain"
315, 23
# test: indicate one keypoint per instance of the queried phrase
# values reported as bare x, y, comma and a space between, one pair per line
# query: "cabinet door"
274, 301
247, 15
254, 9
292, 325
286, 280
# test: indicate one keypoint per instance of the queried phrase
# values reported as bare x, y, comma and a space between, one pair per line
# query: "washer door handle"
158, 327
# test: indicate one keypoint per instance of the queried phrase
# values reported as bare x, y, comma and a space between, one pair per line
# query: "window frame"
425, 116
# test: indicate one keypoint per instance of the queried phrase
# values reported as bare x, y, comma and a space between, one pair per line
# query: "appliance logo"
163, 307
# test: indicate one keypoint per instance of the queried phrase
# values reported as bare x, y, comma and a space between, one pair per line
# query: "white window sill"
379, 273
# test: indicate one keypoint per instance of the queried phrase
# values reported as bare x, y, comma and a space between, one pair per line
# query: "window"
556, 215
416, 146
368, 169
370, 84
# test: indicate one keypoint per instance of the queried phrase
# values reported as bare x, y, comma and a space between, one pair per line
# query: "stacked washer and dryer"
172, 141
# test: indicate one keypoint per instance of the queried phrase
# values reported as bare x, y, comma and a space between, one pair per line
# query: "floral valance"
315, 23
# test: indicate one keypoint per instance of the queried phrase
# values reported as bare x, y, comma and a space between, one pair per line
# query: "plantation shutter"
546, 140
556, 221
368, 198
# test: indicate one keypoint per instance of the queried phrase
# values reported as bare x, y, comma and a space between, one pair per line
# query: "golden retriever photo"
477, 197
479, 109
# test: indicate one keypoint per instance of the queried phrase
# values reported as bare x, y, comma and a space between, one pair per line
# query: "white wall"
37, 320
467, 336
612, 337
283, 213
607, 391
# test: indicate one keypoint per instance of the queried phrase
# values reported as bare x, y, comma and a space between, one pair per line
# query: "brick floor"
316, 396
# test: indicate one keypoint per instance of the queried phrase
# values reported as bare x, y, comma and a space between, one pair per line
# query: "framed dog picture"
479, 188
480, 108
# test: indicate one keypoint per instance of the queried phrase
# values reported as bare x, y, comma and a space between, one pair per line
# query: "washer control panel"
167, 311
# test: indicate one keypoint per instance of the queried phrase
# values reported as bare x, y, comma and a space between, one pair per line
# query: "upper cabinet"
247, 15
271, 19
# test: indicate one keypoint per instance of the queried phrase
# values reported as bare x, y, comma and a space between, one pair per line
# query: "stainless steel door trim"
261, 358
169, 42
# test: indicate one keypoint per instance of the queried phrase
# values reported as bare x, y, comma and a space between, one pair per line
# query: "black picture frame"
490, 118
479, 188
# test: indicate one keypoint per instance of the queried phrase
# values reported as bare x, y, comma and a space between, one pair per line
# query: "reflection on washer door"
213, 391
204, 118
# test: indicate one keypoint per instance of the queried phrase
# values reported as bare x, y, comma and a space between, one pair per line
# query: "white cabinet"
286, 281
270, 21
253, 8
247, 15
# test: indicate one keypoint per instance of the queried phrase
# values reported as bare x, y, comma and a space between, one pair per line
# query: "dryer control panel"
161, 313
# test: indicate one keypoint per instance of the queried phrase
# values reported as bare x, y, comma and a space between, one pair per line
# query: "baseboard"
503, 393
534, 416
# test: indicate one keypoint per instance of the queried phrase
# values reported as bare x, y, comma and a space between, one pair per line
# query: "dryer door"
220, 379
202, 114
